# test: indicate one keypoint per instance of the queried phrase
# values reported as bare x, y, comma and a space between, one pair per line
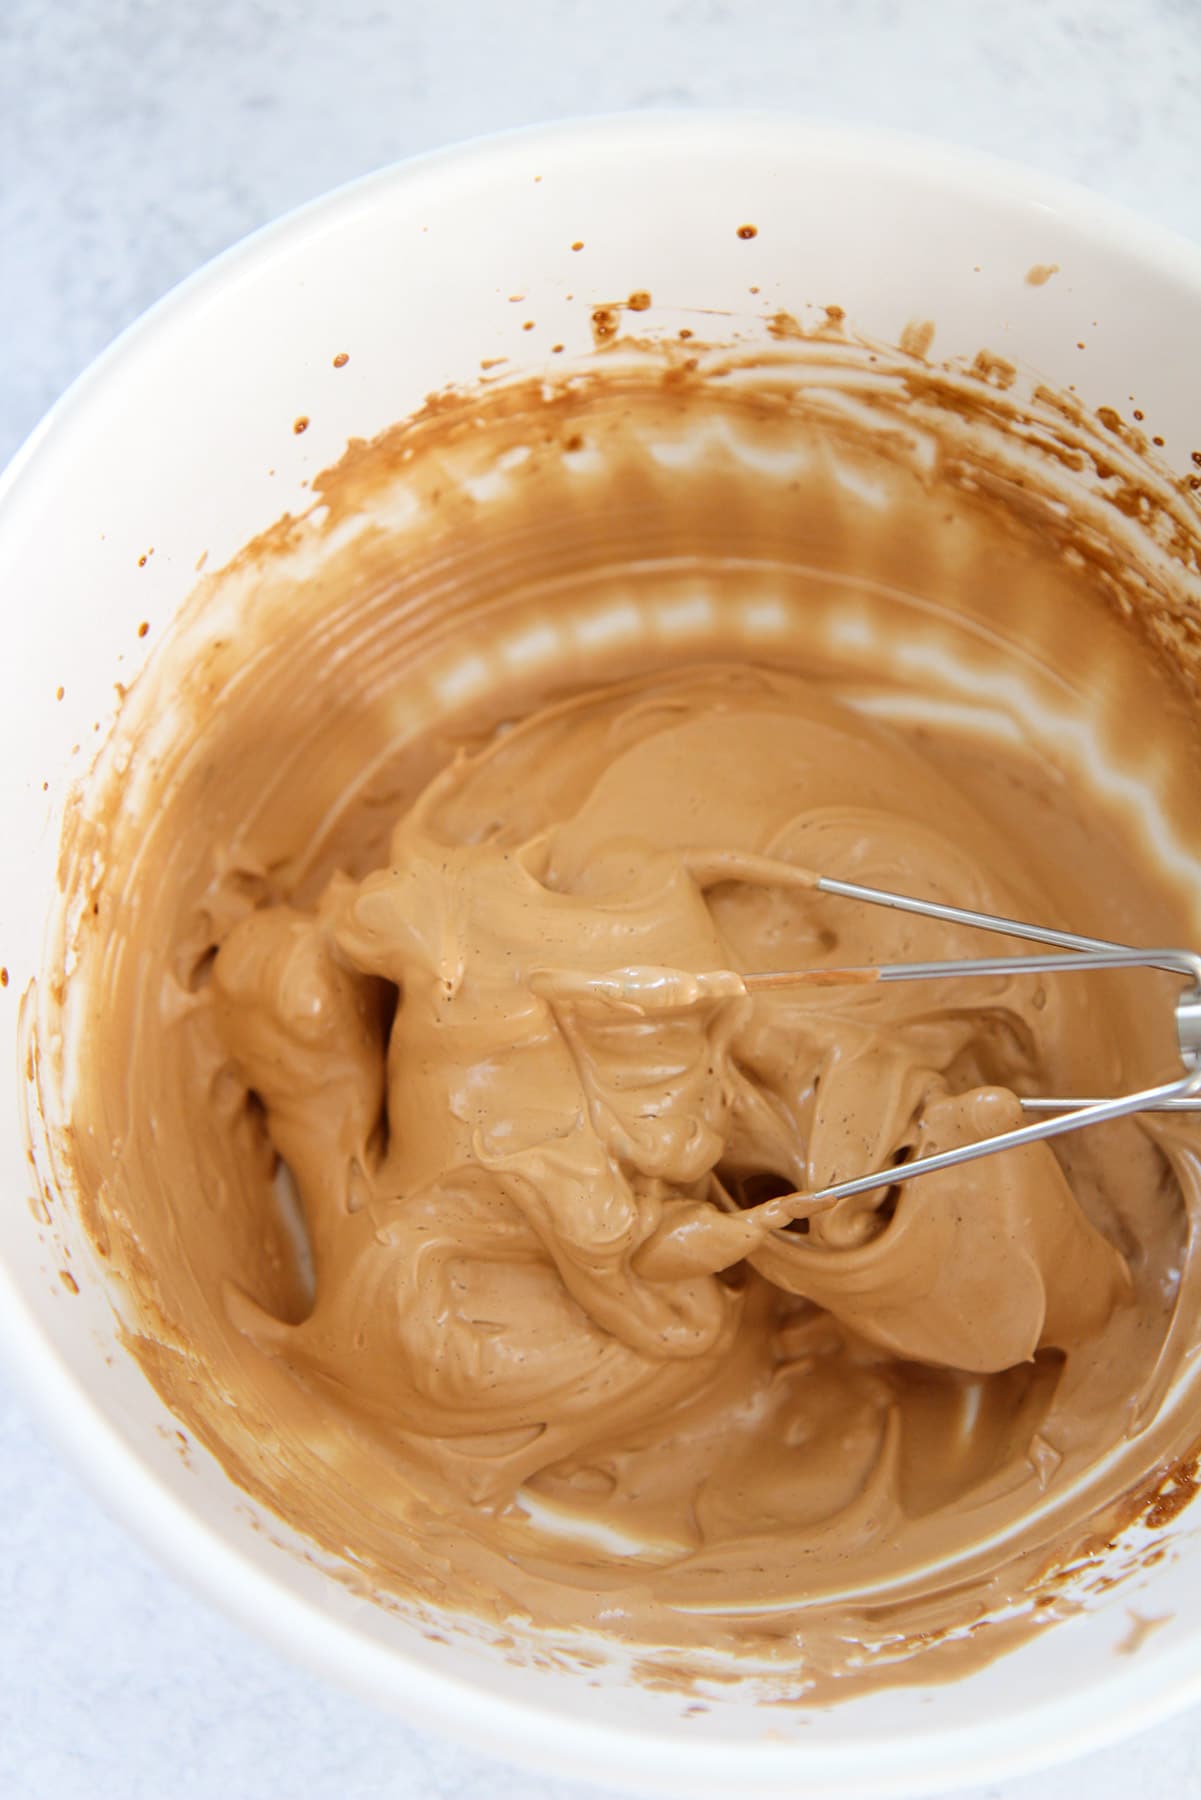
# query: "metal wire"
1083, 954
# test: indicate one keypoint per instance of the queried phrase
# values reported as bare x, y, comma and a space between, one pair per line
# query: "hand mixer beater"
1074, 953
1070, 953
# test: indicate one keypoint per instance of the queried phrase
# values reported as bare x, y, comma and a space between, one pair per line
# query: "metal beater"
1076, 953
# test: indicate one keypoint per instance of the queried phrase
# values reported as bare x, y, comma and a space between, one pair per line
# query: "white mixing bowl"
180, 443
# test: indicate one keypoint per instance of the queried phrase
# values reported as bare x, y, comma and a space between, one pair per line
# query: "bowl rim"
524, 1731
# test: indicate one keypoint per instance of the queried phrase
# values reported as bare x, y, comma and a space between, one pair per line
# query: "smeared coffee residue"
997, 370
1141, 1628
917, 337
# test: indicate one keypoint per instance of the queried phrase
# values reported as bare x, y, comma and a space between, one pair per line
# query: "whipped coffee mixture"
455, 1214
529, 1149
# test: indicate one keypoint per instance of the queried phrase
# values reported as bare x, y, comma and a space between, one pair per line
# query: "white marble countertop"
138, 139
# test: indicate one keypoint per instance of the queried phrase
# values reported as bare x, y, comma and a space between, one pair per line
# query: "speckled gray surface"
136, 140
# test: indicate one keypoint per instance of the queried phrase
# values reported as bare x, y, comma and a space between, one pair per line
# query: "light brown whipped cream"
456, 1182
523, 1184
